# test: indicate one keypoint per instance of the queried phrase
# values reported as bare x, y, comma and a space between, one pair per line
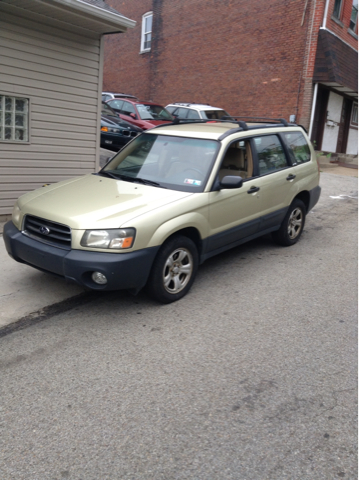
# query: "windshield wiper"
108, 174
147, 182
117, 176
126, 178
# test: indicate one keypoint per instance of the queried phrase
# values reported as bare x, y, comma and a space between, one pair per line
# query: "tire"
292, 225
174, 270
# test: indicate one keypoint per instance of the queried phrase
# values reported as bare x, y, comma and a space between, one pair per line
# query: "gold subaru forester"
171, 198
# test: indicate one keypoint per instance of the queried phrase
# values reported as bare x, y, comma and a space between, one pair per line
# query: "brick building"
295, 59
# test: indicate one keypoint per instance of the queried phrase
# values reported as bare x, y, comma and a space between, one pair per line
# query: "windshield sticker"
190, 181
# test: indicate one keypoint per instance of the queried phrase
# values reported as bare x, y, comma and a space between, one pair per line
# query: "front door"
235, 214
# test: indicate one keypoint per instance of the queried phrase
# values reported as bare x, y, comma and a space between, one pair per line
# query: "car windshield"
153, 112
214, 114
177, 163
107, 110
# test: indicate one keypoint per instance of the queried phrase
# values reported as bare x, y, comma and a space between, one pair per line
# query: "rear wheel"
174, 270
292, 225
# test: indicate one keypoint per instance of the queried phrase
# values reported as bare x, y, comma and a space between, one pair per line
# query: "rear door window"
182, 112
270, 154
193, 114
298, 147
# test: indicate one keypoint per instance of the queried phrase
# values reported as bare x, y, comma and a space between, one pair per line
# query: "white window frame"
9, 118
339, 13
356, 18
144, 32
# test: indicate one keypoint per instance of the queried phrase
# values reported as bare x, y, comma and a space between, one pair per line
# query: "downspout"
313, 110
315, 93
99, 103
325, 14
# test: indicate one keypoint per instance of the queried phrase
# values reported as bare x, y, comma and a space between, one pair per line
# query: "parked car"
142, 114
115, 132
110, 95
193, 111
169, 200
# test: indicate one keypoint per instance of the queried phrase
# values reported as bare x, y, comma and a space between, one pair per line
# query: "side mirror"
231, 181
133, 115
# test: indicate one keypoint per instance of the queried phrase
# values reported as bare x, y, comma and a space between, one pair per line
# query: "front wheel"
174, 270
292, 225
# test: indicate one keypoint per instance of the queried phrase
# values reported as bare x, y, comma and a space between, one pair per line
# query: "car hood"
93, 201
110, 121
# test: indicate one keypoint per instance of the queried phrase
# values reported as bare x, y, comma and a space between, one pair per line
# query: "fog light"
99, 278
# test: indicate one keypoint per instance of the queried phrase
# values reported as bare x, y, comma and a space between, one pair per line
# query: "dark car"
145, 115
115, 132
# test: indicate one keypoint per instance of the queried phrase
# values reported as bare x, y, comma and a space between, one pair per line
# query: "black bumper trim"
314, 197
123, 270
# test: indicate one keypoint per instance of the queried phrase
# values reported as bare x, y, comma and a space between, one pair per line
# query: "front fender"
176, 224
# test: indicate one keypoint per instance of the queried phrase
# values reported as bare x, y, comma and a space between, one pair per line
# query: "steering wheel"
194, 170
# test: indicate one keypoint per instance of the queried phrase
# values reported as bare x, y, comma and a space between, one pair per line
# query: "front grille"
134, 134
126, 133
48, 232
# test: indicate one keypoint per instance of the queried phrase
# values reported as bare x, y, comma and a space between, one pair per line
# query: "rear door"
306, 167
277, 179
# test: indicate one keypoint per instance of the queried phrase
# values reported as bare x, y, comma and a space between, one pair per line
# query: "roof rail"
242, 125
283, 121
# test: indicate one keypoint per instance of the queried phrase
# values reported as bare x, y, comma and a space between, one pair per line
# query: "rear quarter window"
298, 147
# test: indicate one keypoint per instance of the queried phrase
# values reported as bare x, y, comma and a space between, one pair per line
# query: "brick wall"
251, 58
341, 27
125, 70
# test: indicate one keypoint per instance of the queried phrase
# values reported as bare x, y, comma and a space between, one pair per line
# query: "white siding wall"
59, 72
352, 147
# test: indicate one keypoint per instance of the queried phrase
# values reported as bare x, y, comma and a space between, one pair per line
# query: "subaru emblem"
44, 230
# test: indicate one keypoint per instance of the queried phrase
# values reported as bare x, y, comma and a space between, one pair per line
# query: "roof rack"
242, 125
188, 104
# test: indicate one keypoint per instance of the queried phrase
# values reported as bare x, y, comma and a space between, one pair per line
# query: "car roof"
120, 95
217, 130
198, 106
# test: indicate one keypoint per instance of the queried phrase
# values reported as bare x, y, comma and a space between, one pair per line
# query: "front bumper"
127, 271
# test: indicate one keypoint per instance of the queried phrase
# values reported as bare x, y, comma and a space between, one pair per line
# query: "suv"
145, 115
194, 111
110, 95
169, 200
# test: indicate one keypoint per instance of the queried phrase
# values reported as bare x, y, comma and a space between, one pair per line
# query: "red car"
145, 115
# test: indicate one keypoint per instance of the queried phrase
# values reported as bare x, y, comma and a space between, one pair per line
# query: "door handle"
253, 190
291, 177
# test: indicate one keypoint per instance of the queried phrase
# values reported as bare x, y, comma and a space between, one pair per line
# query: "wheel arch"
304, 196
192, 233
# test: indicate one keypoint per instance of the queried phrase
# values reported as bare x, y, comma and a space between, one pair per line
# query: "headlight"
116, 238
16, 214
